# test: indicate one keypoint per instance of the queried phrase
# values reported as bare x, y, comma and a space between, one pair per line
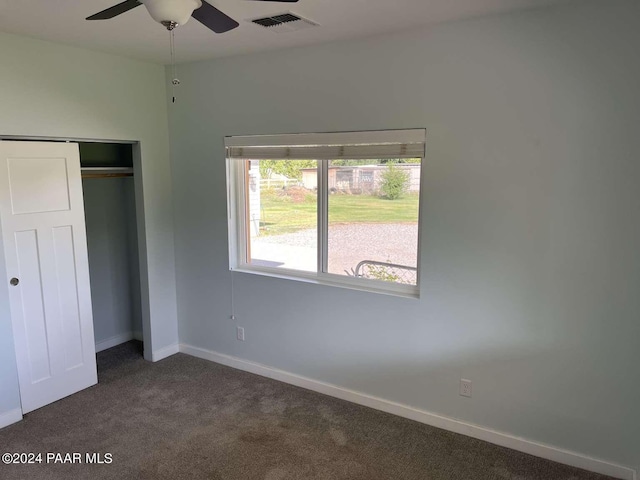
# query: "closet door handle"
14, 281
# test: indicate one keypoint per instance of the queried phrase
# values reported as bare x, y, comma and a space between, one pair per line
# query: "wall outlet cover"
465, 388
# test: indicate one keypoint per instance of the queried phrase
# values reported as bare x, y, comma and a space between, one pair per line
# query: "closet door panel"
68, 297
43, 232
30, 305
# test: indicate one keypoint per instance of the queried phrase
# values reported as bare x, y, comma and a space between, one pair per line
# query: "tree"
387, 161
349, 163
395, 182
288, 168
373, 161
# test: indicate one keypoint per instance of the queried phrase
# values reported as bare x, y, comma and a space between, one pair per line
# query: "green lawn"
282, 213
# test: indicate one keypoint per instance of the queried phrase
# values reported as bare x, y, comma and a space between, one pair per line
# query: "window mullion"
242, 215
323, 221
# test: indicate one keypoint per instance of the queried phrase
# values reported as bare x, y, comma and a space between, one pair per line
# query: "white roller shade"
329, 146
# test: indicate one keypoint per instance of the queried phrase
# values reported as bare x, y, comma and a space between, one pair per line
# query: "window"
334, 208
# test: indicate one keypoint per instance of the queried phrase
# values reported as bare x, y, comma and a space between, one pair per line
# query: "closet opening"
112, 243
73, 235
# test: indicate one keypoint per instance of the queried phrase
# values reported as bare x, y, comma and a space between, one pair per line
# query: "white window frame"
237, 194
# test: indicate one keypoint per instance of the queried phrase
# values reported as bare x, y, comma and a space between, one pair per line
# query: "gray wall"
109, 205
530, 220
56, 91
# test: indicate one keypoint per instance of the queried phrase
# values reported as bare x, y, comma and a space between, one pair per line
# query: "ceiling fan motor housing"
175, 12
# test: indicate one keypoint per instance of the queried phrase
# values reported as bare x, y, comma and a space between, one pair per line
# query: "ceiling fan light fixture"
175, 12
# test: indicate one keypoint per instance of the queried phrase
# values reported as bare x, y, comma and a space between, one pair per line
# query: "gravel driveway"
348, 245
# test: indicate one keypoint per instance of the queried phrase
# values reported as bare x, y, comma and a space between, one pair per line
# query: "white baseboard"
113, 341
548, 452
165, 352
10, 417
117, 340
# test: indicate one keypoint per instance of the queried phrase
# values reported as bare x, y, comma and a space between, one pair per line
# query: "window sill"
362, 285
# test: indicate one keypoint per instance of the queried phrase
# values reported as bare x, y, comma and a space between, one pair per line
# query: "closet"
112, 242
68, 216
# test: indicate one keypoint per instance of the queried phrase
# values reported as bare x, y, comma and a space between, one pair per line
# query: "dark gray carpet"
186, 418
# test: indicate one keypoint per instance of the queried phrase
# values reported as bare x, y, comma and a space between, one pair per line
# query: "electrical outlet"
240, 333
465, 388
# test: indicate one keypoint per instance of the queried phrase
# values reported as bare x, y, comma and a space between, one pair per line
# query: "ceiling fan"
172, 13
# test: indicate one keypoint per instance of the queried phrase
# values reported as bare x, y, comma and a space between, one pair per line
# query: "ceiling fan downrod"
174, 70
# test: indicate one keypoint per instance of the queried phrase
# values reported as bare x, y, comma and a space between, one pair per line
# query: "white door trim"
140, 222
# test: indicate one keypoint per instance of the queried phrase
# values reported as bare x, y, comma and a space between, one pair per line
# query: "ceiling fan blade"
214, 19
115, 10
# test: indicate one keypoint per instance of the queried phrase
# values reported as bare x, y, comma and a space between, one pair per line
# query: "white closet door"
45, 248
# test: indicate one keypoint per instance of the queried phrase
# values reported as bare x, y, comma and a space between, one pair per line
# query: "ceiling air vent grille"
285, 22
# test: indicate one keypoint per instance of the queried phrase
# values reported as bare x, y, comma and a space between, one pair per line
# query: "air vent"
284, 22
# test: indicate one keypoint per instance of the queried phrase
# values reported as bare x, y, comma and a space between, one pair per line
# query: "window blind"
329, 146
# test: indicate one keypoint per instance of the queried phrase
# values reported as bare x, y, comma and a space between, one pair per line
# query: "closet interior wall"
110, 214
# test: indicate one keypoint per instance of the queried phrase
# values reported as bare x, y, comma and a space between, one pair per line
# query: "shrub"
394, 183
381, 272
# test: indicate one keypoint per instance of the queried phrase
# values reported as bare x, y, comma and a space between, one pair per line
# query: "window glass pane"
282, 214
373, 219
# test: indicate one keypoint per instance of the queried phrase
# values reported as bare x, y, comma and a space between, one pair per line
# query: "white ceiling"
134, 34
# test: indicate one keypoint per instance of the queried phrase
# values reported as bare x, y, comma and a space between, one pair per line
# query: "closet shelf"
106, 172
